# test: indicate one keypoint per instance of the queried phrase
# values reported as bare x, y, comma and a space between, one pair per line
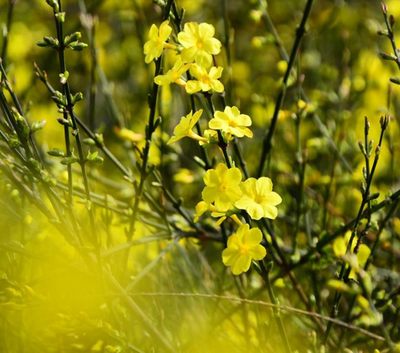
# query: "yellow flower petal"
243, 247
231, 122
222, 186
339, 246
258, 200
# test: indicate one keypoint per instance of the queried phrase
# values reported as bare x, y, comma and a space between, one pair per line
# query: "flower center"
244, 250
175, 75
205, 79
199, 44
259, 199
232, 122
223, 187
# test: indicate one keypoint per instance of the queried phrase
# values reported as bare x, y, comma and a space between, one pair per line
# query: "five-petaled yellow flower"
258, 198
231, 122
205, 80
153, 48
243, 247
222, 187
185, 126
173, 75
199, 43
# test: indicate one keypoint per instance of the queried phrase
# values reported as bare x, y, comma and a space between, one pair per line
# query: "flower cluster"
230, 122
195, 48
225, 195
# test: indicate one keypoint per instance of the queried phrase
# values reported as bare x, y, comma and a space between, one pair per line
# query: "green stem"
281, 328
267, 142
150, 129
223, 145
7, 30
344, 270
69, 111
329, 238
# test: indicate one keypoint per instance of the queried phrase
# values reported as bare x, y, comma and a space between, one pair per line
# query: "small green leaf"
94, 157
56, 152
38, 125
69, 160
60, 16
76, 97
89, 141
99, 138
49, 42
77, 46
53, 4
22, 126
64, 77
14, 142
74, 37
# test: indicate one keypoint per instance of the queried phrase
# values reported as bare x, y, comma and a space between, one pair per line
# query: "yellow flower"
153, 48
184, 176
199, 43
243, 247
231, 122
222, 187
205, 80
340, 246
301, 105
203, 207
210, 135
128, 135
173, 75
258, 198
185, 126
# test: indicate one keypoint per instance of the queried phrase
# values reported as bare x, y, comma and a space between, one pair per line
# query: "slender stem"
267, 141
382, 326
390, 35
370, 259
100, 144
204, 156
281, 328
150, 129
93, 77
13, 124
321, 126
227, 45
7, 29
18, 106
223, 145
236, 148
345, 270
329, 238
301, 168
69, 111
